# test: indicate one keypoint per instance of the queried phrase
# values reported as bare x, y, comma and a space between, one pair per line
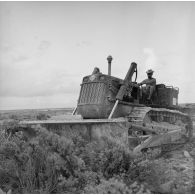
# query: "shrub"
50, 163
42, 116
111, 186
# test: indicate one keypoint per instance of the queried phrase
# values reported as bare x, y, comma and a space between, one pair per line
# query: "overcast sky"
47, 47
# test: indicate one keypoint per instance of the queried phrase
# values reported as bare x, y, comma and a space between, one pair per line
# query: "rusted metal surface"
135, 127
99, 93
85, 121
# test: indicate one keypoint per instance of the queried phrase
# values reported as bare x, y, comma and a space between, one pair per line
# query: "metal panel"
92, 93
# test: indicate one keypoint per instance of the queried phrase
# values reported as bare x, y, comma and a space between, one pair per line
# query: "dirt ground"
176, 170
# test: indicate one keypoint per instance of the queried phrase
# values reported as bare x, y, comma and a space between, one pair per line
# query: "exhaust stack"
109, 58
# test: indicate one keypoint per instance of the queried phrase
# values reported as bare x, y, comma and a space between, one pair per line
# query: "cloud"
10, 55
5, 47
31, 89
27, 72
44, 45
83, 44
151, 61
39, 84
42, 48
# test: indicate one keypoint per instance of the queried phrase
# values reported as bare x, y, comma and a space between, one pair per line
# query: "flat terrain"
32, 114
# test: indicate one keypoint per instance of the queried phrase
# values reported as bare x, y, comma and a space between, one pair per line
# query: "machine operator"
150, 83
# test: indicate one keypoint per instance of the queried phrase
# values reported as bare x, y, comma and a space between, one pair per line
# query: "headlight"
85, 79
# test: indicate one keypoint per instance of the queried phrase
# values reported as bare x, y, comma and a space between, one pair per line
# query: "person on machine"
150, 83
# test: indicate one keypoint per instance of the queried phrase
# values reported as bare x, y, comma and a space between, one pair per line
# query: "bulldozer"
117, 108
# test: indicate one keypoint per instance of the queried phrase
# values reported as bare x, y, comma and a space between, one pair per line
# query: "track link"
171, 127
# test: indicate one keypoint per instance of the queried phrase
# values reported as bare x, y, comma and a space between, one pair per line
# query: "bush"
111, 186
49, 163
42, 116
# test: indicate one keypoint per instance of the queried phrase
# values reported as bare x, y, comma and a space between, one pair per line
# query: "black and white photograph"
97, 97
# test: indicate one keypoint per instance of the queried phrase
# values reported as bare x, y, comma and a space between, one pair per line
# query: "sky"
46, 48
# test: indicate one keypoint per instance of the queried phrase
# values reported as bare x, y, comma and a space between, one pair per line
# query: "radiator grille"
93, 93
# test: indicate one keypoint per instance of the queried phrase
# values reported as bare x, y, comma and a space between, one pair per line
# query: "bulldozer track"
169, 147
163, 149
169, 126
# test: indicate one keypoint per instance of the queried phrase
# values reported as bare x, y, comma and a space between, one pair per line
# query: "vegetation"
42, 116
50, 163
39, 161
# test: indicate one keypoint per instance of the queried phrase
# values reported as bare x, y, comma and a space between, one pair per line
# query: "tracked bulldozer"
117, 108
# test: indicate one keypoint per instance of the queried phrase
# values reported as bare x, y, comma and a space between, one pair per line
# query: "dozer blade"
93, 129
